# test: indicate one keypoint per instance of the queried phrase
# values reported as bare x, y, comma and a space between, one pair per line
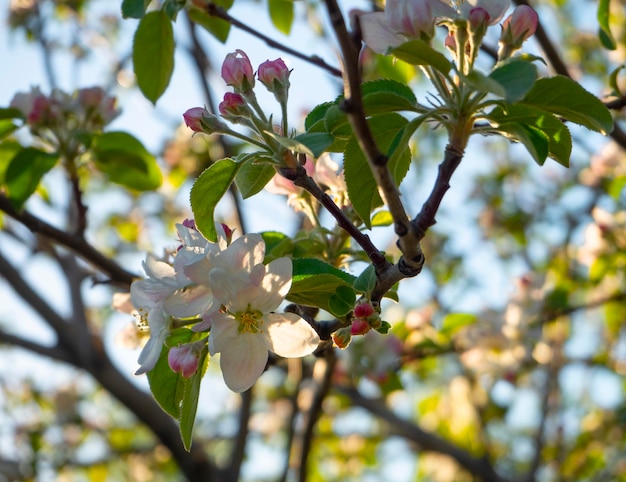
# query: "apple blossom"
495, 9
148, 297
247, 328
516, 28
237, 71
234, 108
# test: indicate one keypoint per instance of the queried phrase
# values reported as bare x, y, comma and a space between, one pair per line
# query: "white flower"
247, 329
148, 297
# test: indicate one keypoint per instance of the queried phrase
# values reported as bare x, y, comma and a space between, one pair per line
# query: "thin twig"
219, 12
81, 247
54, 352
301, 179
314, 411
239, 448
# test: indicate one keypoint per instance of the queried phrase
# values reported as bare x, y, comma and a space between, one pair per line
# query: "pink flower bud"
478, 19
495, 9
228, 232
237, 71
184, 359
98, 107
274, 75
519, 26
199, 119
342, 337
360, 326
234, 107
363, 310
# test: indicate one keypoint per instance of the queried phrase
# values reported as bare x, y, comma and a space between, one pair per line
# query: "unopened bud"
199, 119
342, 337
184, 359
237, 71
274, 75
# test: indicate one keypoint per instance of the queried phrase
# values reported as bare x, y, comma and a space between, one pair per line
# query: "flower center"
249, 320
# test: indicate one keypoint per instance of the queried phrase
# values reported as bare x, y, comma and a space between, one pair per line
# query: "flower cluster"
223, 288
88, 109
241, 106
467, 23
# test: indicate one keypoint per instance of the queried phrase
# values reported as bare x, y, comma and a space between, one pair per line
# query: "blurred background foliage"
530, 383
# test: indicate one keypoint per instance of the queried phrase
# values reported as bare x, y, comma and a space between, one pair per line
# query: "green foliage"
564, 97
207, 191
418, 52
362, 187
366, 281
281, 13
125, 161
316, 283
24, 172
153, 54
217, 27
454, 322
604, 33
516, 77
134, 8
254, 174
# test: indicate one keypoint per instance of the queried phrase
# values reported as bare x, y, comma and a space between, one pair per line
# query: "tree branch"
117, 274
54, 352
219, 12
424, 440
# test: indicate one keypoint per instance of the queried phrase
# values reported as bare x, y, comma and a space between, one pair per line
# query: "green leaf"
604, 14
342, 301
167, 387
252, 177
564, 97
455, 321
535, 140
291, 144
362, 188
316, 142
125, 161
315, 283
24, 173
382, 218
10, 113
317, 115
7, 127
207, 191
276, 245
153, 54
511, 120
613, 82
134, 8
217, 27
366, 281
172, 7
8, 150
418, 52
484, 84
189, 405
384, 95
516, 77
281, 13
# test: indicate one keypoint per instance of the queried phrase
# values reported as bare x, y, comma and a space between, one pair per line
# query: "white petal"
243, 361
243, 254
274, 287
224, 332
151, 351
289, 336
147, 293
377, 33
189, 302
157, 269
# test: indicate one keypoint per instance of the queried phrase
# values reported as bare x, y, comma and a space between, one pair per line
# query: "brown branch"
239, 449
301, 179
426, 441
53, 352
219, 12
117, 274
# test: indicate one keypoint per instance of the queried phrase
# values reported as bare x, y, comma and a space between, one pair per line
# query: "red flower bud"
363, 310
184, 359
234, 107
360, 326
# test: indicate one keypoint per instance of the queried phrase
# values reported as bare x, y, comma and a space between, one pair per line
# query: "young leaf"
342, 301
515, 115
516, 77
316, 142
362, 188
564, 97
134, 8
189, 405
24, 173
276, 245
534, 139
7, 127
125, 161
252, 177
366, 281
604, 14
8, 150
455, 321
303, 267
10, 113
217, 27
207, 191
281, 13
317, 290
153, 54
418, 52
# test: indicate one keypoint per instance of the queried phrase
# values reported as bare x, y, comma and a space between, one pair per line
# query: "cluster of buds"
88, 109
366, 317
241, 106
